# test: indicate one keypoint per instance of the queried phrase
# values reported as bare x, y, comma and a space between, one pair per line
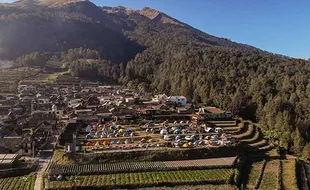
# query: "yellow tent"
185, 145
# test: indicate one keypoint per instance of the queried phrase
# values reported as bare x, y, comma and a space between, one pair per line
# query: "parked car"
164, 132
167, 138
209, 130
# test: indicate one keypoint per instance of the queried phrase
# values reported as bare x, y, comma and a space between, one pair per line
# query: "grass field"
18, 183
148, 179
270, 176
289, 179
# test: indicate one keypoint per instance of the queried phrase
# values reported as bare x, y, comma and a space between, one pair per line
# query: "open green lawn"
148, 179
270, 176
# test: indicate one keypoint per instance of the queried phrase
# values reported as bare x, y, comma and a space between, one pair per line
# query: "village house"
160, 98
85, 115
188, 109
214, 113
178, 100
26, 87
74, 102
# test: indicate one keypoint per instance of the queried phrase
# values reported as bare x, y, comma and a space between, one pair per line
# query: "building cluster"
40, 111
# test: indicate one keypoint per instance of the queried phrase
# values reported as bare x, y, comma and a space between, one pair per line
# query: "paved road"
44, 160
43, 163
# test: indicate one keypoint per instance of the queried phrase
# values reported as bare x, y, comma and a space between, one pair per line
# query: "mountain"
151, 51
51, 22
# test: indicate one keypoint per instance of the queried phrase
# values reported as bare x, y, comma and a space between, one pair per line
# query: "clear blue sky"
279, 26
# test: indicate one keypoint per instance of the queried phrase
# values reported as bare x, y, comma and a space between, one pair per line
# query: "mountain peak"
25, 3
158, 16
118, 10
150, 13
57, 2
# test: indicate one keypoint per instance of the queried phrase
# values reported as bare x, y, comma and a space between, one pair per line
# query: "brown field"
254, 174
142, 166
289, 179
197, 187
270, 176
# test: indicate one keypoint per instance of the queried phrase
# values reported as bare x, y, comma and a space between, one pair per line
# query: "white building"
160, 98
74, 102
43, 100
180, 100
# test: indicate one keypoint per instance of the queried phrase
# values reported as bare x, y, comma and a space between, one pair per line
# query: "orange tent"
105, 143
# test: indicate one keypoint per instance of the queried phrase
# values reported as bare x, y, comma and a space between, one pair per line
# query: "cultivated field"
270, 176
122, 167
147, 179
253, 177
289, 179
18, 183
196, 187
9, 78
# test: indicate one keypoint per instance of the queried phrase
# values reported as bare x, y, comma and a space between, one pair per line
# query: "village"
91, 117
62, 129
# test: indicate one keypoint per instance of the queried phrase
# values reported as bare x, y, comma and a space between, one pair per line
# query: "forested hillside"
151, 51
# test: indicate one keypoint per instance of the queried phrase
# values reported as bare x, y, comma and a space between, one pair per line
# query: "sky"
278, 26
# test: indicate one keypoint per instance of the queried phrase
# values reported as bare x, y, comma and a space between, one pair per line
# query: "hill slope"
150, 50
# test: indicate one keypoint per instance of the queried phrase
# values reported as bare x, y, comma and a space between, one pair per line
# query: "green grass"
289, 178
270, 176
149, 179
60, 157
21, 182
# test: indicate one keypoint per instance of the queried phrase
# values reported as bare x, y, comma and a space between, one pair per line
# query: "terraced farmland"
196, 187
9, 78
270, 176
18, 183
250, 134
122, 167
147, 179
253, 177
289, 179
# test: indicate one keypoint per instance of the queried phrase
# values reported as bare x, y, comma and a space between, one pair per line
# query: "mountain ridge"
122, 20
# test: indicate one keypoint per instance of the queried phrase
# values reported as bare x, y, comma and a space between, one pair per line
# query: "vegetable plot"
143, 179
122, 167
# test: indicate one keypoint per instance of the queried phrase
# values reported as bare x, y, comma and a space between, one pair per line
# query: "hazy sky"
279, 26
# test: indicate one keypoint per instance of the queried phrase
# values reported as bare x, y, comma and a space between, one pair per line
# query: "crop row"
21, 182
146, 179
122, 167
247, 134
270, 176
